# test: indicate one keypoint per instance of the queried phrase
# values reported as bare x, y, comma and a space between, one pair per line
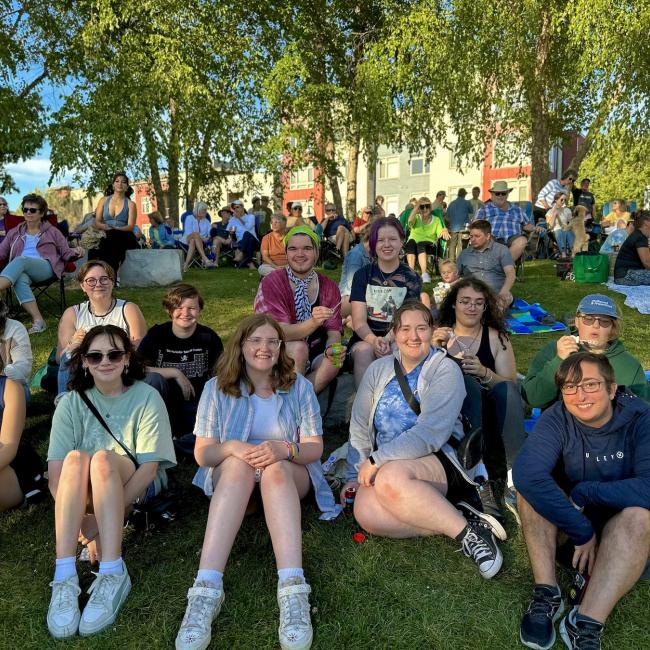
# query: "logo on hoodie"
603, 458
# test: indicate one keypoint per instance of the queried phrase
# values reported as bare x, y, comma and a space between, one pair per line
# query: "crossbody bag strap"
406, 389
100, 419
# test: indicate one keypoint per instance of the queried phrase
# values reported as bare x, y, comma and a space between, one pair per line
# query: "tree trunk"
353, 164
154, 171
332, 176
539, 173
173, 159
198, 171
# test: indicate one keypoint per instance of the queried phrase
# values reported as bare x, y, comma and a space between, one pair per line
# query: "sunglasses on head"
31, 210
95, 358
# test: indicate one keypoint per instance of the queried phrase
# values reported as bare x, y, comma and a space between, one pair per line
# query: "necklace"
110, 309
464, 348
384, 278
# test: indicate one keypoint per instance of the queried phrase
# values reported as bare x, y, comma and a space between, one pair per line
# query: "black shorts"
29, 469
508, 242
415, 248
458, 488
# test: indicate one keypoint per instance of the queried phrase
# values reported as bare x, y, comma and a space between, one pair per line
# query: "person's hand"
445, 234
185, 385
566, 345
472, 366
504, 298
441, 336
320, 315
354, 484
89, 529
584, 555
79, 251
382, 346
540, 229
266, 453
367, 473
329, 352
76, 339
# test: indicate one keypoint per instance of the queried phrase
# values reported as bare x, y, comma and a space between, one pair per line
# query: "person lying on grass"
258, 429
408, 477
96, 477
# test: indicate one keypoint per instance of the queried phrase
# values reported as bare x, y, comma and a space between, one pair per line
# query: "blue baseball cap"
597, 304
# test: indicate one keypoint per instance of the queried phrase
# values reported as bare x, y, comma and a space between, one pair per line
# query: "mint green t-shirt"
137, 417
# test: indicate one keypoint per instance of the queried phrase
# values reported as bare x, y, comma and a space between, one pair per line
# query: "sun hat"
500, 186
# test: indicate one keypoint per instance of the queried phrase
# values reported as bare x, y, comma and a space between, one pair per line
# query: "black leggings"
112, 248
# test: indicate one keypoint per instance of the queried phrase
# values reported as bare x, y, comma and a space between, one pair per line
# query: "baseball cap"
599, 305
236, 202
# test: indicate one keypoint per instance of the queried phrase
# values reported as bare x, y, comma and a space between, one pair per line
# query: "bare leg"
283, 485
621, 558
346, 308
410, 260
70, 502
233, 481
191, 248
32, 309
4, 283
407, 500
363, 355
422, 261
108, 474
10, 493
198, 246
322, 375
298, 351
541, 542
517, 247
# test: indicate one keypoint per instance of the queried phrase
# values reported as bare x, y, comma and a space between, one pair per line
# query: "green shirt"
137, 417
426, 232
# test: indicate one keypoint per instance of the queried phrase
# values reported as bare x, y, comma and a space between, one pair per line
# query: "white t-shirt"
29, 250
265, 419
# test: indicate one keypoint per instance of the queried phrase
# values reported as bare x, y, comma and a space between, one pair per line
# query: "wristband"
372, 460
290, 454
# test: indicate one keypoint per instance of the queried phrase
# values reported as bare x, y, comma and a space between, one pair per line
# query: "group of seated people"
436, 400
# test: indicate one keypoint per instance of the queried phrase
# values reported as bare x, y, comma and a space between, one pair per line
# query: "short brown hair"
175, 296
571, 372
412, 305
156, 216
35, 198
231, 367
483, 225
83, 271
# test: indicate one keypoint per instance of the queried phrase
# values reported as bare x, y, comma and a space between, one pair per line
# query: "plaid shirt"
504, 224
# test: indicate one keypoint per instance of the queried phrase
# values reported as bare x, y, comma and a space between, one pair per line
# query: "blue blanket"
531, 319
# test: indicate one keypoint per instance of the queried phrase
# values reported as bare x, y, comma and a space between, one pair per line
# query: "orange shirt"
272, 248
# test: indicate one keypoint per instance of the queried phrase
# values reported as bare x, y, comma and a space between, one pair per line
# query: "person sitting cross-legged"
583, 483
308, 307
258, 431
401, 458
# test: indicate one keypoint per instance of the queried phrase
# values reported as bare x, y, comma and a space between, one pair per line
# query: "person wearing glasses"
337, 229
558, 219
96, 477
242, 227
509, 222
545, 196
425, 229
36, 251
97, 280
274, 255
258, 435
583, 484
308, 307
471, 327
597, 330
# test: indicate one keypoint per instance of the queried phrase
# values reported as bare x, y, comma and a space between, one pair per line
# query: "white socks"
215, 578
115, 567
285, 574
65, 568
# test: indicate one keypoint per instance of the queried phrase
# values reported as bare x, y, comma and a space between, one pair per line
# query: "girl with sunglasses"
471, 327
94, 473
97, 281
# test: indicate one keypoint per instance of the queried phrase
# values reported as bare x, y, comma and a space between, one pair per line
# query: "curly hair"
492, 316
231, 367
81, 380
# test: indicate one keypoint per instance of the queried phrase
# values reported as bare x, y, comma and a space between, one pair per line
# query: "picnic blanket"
636, 297
531, 319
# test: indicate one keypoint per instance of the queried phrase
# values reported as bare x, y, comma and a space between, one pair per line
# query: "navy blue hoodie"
607, 467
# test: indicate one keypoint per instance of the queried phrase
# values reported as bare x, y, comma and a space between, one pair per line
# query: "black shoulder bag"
100, 419
469, 450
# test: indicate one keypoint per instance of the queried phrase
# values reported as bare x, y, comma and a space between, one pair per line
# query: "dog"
577, 226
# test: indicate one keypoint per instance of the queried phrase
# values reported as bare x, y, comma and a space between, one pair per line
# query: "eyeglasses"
31, 210
3, 205
603, 321
103, 281
425, 206
587, 387
466, 303
258, 342
95, 358
500, 193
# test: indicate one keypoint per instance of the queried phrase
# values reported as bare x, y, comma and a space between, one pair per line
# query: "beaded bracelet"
289, 446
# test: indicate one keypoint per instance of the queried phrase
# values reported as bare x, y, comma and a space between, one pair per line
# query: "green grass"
379, 594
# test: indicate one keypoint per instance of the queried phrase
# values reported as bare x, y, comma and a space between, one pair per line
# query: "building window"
419, 167
145, 205
303, 179
389, 168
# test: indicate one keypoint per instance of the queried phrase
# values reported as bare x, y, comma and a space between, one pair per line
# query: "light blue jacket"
230, 418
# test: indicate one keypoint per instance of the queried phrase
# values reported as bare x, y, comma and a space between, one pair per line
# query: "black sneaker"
537, 628
478, 542
473, 514
489, 501
580, 635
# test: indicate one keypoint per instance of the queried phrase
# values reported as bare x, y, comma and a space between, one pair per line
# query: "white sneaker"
295, 629
37, 327
107, 594
426, 278
63, 613
203, 606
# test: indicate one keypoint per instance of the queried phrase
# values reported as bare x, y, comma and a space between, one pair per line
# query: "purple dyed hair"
393, 222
